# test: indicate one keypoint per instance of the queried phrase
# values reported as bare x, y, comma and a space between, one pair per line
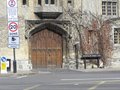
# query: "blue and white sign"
3, 59
12, 14
13, 42
3, 65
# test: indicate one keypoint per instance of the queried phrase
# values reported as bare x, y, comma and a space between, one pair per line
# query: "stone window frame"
109, 7
116, 36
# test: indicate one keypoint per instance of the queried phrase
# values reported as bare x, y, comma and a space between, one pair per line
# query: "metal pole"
14, 62
98, 63
76, 56
84, 63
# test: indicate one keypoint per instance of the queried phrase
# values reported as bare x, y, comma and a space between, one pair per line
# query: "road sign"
12, 10
13, 42
13, 28
12, 14
3, 65
3, 59
11, 3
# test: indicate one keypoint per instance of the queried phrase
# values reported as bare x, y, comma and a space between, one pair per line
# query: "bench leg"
84, 64
98, 63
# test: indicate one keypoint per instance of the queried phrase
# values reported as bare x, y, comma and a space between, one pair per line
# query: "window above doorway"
50, 2
48, 9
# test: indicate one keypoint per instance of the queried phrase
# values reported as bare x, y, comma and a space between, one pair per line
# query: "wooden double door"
46, 49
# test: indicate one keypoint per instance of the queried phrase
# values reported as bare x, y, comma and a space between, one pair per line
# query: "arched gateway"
46, 46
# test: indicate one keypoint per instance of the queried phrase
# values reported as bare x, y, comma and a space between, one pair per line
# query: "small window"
117, 36
24, 2
109, 12
46, 2
109, 8
70, 2
103, 8
39, 2
52, 1
114, 8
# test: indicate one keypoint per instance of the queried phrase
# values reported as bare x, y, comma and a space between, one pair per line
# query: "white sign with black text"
12, 14
14, 42
12, 10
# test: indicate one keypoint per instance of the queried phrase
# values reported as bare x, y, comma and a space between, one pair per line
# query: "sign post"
14, 62
13, 35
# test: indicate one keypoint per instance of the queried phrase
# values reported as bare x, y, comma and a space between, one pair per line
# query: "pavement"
32, 72
19, 73
97, 69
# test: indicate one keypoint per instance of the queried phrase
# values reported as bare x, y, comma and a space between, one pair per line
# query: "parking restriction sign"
13, 42
12, 14
11, 3
12, 10
13, 28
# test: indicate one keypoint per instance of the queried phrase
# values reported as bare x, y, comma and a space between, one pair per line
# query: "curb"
96, 70
6, 75
10, 74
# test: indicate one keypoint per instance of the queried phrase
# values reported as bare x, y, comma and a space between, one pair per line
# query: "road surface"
61, 79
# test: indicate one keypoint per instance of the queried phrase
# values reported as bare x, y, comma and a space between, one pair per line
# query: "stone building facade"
44, 33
